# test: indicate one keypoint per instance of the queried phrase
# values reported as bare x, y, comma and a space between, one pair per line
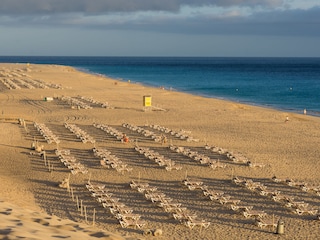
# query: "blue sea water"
288, 84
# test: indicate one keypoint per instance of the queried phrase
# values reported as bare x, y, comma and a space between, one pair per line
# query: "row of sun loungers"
162, 161
82, 135
110, 130
120, 211
76, 102
24, 80
201, 158
10, 84
92, 100
144, 132
252, 186
216, 149
298, 207
24, 83
36, 83
46, 133
230, 202
169, 205
182, 134
42, 84
218, 196
111, 161
14, 82
235, 157
71, 162
301, 185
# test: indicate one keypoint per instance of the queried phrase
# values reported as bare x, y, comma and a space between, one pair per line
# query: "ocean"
287, 84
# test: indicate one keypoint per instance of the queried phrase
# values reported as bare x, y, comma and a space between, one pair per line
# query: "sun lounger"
120, 209
278, 180
239, 181
269, 193
161, 200
282, 198
305, 210
154, 195
170, 168
217, 164
192, 185
255, 165
95, 187
293, 183
112, 204
228, 200
266, 223
158, 197
249, 184
175, 208
193, 223
127, 216
209, 193
167, 205
183, 216
296, 204
131, 222
104, 197
135, 185
254, 213
236, 207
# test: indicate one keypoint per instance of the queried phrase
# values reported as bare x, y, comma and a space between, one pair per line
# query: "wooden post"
81, 208
72, 194
69, 183
85, 214
44, 155
94, 217
89, 178
77, 203
273, 223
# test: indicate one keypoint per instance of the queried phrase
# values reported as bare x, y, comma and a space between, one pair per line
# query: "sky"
210, 28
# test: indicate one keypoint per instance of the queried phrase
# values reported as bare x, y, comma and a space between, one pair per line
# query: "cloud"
294, 22
190, 17
27, 7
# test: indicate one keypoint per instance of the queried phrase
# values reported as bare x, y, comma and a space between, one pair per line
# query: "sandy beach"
213, 157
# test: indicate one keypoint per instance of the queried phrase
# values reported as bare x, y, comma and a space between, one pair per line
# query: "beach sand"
34, 206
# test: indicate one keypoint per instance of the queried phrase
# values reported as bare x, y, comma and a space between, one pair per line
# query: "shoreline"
288, 150
313, 113
282, 106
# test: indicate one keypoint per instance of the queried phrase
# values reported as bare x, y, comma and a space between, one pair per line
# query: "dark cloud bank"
104, 6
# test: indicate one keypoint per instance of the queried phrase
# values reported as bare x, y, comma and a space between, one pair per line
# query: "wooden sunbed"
254, 213
131, 222
193, 223
266, 223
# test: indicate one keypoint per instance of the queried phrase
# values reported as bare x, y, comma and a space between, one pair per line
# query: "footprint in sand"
7, 211
41, 221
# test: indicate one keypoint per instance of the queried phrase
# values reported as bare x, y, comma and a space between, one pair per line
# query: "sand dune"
210, 141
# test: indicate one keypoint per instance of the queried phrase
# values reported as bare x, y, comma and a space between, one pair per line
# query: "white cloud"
168, 25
